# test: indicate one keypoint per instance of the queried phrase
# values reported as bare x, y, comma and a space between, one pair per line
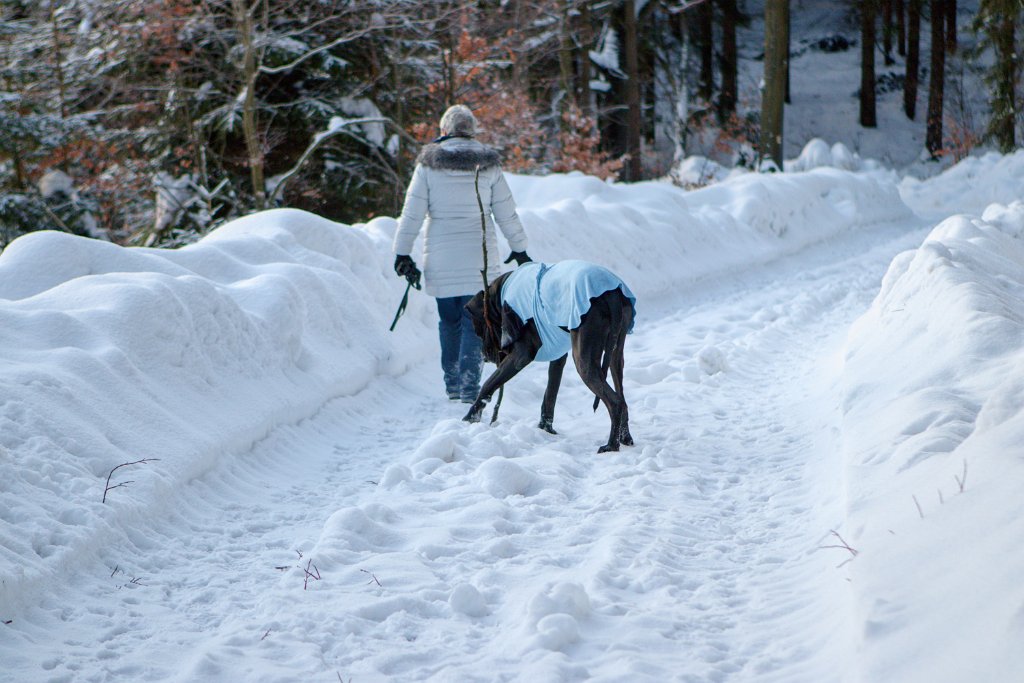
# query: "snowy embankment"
181, 358
114, 355
968, 187
933, 433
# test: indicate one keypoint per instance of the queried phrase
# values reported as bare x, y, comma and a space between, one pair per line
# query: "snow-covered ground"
822, 358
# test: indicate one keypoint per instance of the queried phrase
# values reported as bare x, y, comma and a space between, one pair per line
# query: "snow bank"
114, 355
183, 357
933, 427
968, 187
659, 238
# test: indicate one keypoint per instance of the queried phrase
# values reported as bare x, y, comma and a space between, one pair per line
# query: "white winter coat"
442, 196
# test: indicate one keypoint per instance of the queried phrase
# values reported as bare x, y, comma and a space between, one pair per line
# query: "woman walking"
442, 196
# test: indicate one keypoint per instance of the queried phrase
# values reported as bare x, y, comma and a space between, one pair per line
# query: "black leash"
483, 273
401, 306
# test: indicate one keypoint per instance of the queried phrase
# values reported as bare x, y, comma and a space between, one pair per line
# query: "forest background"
151, 122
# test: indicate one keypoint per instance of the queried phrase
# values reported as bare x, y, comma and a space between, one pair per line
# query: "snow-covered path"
444, 551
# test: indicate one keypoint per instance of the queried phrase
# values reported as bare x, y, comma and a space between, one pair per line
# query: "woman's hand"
406, 267
519, 256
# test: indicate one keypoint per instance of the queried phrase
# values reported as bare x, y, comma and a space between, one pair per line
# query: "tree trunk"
775, 59
913, 58
20, 176
565, 58
681, 93
398, 190
729, 95
868, 117
901, 27
950, 7
586, 38
789, 40
57, 63
250, 70
633, 117
887, 31
705, 38
936, 80
1004, 102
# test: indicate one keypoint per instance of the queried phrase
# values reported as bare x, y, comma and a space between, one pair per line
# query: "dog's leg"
588, 343
617, 366
521, 355
547, 407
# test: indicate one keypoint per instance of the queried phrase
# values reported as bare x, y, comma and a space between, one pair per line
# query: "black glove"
406, 267
519, 256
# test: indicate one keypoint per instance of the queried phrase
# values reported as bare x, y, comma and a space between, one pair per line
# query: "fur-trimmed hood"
458, 154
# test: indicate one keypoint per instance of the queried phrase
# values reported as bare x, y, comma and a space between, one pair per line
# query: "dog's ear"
511, 326
475, 309
475, 306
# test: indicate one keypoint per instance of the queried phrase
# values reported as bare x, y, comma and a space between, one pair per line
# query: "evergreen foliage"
998, 25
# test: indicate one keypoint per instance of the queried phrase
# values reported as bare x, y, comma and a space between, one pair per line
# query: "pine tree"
996, 24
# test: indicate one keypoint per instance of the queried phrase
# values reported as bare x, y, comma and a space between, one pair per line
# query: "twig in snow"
124, 483
315, 574
134, 581
373, 578
265, 635
961, 481
919, 510
843, 545
942, 501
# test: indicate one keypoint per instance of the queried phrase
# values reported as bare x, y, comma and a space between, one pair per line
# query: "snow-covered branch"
337, 126
323, 48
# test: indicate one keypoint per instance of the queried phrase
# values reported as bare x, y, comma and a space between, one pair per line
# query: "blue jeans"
461, 357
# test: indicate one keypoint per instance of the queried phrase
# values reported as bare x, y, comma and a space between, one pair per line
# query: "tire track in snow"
465, 552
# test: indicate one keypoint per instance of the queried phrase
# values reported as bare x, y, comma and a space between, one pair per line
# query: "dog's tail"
615, 320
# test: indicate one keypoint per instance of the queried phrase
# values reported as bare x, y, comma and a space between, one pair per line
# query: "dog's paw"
626, 439
607, 448
473, 415
547, 426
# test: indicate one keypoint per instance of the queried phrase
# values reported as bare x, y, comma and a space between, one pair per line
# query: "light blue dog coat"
557, 296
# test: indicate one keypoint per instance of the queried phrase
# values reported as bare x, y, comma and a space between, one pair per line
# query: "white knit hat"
458, 120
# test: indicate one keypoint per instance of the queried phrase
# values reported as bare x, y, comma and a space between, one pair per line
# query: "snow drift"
933, 429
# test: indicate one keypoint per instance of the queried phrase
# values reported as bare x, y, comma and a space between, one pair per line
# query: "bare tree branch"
124, 483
